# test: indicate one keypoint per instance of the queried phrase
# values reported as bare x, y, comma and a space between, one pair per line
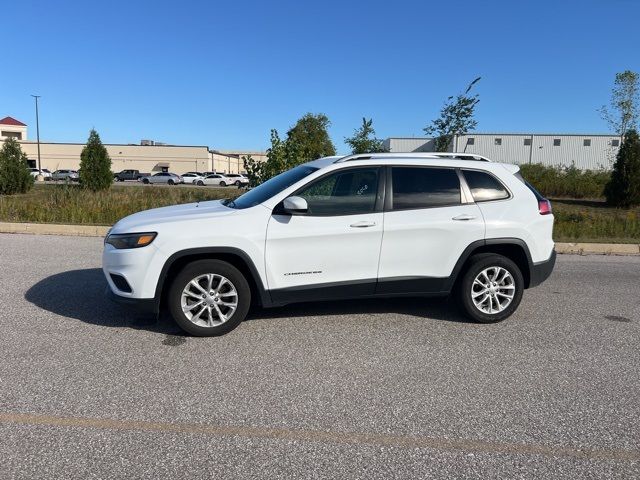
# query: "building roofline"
115, 144
496, 134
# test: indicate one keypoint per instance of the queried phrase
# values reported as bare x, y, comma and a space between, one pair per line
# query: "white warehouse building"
588, 151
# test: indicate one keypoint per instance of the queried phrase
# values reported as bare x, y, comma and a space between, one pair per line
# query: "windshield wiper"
229, 203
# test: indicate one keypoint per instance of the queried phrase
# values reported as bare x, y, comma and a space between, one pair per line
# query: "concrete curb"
54, 229
101, 231
599, 248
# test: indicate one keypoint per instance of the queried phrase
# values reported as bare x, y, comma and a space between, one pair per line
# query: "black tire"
171, 182
237, 184
145, 181
475, 266
200, 182
223, 184
201, 267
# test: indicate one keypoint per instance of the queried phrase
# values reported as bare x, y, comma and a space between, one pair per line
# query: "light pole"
38, 132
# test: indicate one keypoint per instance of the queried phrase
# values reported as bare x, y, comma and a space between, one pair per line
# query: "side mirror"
295, 205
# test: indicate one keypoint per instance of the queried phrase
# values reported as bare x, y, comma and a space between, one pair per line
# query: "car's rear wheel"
223, 184
209, 297
491, 288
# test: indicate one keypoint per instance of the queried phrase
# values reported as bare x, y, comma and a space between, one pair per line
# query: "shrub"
623, 190
95, 165
569, 182
14, 172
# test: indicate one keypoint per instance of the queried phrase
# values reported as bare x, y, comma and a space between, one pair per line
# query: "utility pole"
38, 132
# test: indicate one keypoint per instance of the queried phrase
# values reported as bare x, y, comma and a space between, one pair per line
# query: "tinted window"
424, 187
484, 187
271, 187
345, 192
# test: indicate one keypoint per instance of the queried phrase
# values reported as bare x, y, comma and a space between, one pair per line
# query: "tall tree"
307, 140
311, 137
281, 156
624, 109
14, 172
95, 164
623, 189
456, 118
364, 139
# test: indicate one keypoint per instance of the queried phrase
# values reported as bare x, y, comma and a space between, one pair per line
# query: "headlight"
130, 240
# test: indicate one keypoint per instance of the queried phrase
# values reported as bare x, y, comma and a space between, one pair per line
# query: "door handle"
464, 216
363, 224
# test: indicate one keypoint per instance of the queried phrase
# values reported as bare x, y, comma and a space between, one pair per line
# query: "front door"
331, 251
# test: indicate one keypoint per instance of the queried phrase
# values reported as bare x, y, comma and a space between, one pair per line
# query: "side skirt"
370, 288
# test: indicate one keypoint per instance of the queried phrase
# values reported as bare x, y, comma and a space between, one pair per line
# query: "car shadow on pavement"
81, 294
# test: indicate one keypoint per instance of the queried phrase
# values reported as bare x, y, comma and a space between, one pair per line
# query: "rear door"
428, 223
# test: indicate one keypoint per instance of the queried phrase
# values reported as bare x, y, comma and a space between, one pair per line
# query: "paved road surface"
375, 389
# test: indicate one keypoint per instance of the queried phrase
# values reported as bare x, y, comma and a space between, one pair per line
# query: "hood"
156, 217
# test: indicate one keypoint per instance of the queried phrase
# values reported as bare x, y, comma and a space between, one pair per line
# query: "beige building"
10, 127
148, 157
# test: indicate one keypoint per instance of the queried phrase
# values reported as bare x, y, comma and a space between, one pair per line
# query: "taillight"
544, 206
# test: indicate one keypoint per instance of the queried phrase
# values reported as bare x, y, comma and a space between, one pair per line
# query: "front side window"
345, 192
484, 187
271, 187
415, 187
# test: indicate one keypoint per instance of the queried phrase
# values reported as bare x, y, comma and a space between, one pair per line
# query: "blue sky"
224, 73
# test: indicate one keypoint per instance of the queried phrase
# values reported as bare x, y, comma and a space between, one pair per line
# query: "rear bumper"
541, 271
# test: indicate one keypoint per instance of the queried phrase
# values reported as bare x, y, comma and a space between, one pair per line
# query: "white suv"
340, 227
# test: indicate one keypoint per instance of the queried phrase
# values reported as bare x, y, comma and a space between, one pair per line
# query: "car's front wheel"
223, 184
145, 181
171, 182
491, 288
200, 182
237, 183
209, 297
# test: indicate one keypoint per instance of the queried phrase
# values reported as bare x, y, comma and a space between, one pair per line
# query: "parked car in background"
237, 179
163, 177
125, 175
69, 175
216, 179
44, 172
192, 177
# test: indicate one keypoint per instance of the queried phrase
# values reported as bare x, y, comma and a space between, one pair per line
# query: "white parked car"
162, 177
192, 177
237, 179
361, 226
216, 179
67, 175
46, 174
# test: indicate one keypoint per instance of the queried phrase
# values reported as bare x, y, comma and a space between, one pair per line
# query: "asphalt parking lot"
376, 389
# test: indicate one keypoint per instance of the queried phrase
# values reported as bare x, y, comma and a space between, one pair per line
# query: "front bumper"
541, 271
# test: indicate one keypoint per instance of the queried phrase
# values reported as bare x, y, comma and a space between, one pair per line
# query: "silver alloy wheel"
493, 290
209, 300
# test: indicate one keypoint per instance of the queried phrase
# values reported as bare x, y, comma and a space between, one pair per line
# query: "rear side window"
424, 187
484, 187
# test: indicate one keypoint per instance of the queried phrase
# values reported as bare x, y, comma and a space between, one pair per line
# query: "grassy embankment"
580, 211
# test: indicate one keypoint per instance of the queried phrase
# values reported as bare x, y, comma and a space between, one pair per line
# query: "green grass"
593, 221
576, 220
70, 204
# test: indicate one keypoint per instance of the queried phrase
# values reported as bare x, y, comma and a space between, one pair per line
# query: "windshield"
271, 187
